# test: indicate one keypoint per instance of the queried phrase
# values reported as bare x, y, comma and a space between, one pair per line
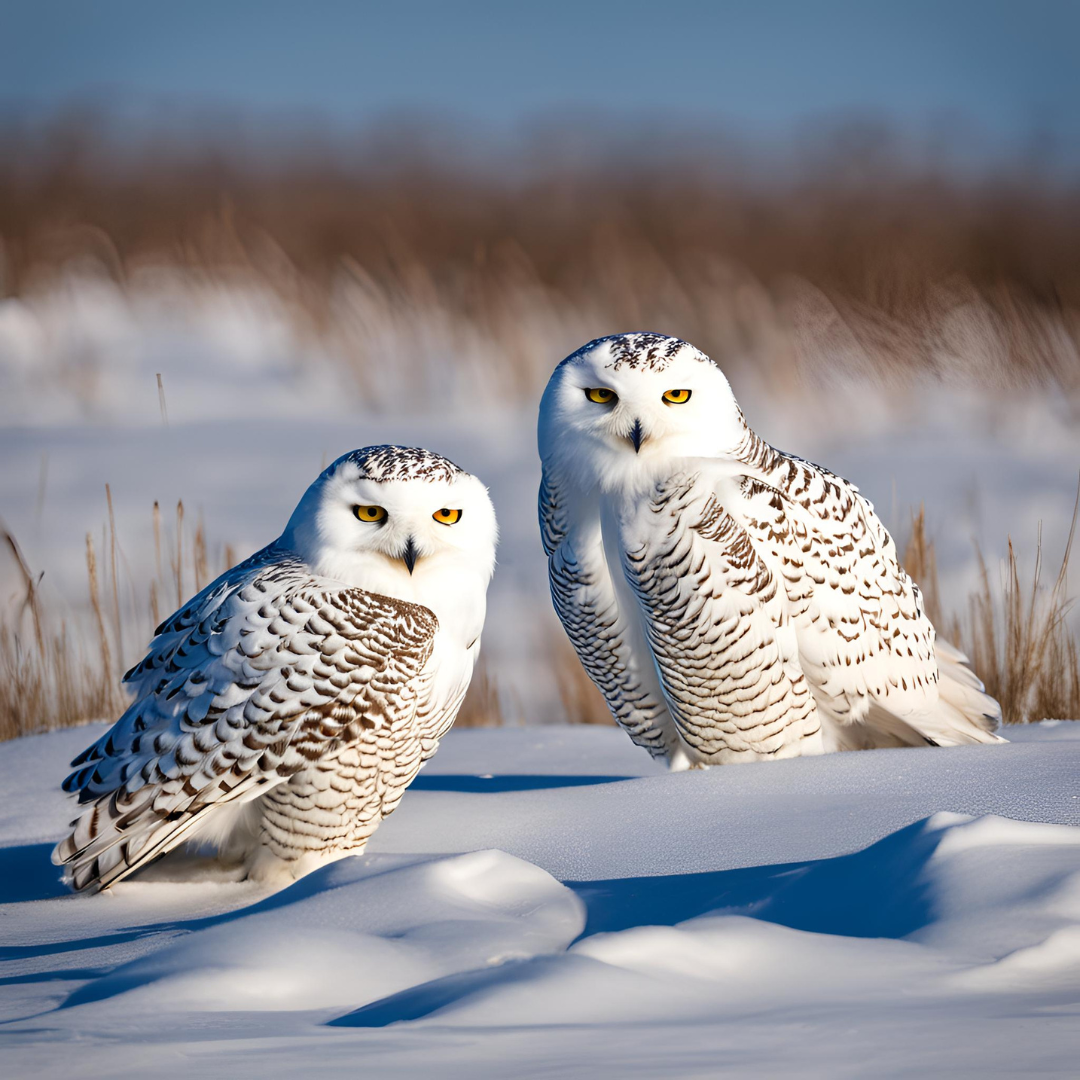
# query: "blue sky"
1008, 70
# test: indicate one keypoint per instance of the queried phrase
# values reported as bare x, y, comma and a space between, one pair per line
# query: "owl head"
624, 405
391, 519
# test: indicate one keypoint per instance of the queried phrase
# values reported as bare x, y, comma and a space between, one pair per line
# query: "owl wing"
258, 676
864, 640
608, 640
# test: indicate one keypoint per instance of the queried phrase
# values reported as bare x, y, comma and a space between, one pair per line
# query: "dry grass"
1015, 632
54, 677
47, 678
482, 707
581, 702
858, 267
58, 673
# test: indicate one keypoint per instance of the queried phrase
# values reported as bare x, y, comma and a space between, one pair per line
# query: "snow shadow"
882, 891
366, 934
490, 785
57, 975
27, 873
418, 1002
41, 881
321, 881
879, 892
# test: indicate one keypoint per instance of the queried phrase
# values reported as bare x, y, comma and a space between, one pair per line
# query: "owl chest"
683, 560
336, 802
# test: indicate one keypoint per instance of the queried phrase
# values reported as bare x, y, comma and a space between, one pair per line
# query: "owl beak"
410, 554
637, 436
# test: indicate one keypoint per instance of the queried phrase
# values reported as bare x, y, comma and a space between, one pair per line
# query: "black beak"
637, 437
409, 555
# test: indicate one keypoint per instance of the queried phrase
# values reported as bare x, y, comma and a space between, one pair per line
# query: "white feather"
732, 602
282, 712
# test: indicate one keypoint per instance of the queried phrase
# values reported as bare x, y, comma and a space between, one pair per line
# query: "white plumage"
282, 712
731, 602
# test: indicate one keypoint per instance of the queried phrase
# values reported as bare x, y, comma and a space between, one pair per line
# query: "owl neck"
452, 588
632, 476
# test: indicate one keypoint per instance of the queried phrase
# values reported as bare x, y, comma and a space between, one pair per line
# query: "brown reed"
854, 265
1016, 633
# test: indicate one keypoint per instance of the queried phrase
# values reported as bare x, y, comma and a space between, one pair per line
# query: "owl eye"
677, 397
447, 517
373, 514
602, 395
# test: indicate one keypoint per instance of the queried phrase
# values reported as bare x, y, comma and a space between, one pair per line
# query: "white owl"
731, 602
282, 712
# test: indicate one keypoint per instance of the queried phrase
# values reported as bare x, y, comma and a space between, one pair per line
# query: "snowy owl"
281, 713
731, 602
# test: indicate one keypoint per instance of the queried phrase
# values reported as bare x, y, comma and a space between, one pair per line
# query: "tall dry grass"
48, 676
579, 700
849, 263
1015, 631
55, 670
60, 672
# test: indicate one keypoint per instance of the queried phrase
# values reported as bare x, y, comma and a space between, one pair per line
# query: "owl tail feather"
112, 856
965, 712
113, 838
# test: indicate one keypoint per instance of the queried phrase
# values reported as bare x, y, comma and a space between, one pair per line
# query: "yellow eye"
447, 517
370, 513
602, 395
677, 397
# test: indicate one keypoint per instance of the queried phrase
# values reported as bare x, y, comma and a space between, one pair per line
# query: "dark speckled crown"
383, 463
641, 351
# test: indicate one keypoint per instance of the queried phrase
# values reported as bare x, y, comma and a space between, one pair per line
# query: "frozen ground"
547, 903
255, 409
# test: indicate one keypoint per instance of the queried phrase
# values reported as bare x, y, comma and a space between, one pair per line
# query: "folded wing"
865, 644
258, 676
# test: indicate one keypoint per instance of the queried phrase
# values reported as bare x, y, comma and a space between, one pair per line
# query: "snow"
547, 901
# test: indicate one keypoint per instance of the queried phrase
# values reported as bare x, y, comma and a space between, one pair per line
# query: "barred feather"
731, 602
282, 691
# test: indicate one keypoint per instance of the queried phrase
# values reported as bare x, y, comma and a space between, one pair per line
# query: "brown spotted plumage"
732, 602
282, 712
271, 681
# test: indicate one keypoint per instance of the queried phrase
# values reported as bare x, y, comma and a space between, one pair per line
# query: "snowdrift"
546, 902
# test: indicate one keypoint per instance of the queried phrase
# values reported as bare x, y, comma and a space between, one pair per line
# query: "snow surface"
547, 902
